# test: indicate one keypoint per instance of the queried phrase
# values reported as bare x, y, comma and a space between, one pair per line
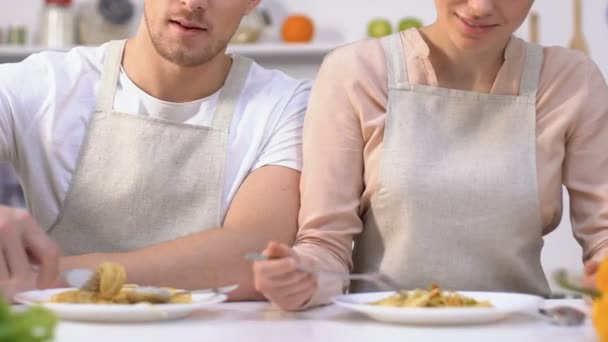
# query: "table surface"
260, 321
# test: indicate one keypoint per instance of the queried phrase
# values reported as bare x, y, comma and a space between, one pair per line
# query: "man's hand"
23, 244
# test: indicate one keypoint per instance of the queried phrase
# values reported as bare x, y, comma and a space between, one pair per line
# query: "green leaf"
37, 324
5, 310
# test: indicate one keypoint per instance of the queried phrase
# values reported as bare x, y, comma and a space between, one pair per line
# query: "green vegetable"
37, 324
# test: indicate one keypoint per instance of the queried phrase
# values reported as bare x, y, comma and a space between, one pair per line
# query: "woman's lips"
474, 28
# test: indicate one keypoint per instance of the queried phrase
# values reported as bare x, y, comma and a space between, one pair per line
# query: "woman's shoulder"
567, 65
360, 60
568, 81
359, 49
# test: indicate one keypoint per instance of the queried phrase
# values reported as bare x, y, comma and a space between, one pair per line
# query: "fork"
379, 279
79, 277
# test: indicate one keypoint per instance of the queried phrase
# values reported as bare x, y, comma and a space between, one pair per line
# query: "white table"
262, 322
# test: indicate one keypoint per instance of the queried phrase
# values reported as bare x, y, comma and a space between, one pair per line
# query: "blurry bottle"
252, 27
57, 27
16, 35
104, 20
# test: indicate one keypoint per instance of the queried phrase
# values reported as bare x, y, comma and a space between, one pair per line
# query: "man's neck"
170, 82
466, 70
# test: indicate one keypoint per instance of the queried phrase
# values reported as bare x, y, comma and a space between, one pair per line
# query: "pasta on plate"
108, 286
435, 297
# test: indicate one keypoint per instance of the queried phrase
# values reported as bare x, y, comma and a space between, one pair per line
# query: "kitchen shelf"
18, 51
283, 49
259, 50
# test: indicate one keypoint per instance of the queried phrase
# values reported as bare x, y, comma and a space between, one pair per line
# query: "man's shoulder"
272, 98
46, 68
77, 60
64, 78
274, 85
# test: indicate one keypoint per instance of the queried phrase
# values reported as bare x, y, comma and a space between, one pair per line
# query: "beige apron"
140, 180
457, 201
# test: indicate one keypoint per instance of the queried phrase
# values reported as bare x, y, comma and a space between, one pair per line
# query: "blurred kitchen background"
294, 36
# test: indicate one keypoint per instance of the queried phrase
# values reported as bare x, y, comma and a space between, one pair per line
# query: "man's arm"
265, 208
7, 124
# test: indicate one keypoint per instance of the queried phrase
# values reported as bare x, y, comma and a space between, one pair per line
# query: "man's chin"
187, 58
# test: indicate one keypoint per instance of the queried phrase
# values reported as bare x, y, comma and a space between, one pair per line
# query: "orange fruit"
298, 29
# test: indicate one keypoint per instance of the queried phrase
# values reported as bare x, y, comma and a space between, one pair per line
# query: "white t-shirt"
47, 100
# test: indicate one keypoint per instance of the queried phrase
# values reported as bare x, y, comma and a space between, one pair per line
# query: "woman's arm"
585, 169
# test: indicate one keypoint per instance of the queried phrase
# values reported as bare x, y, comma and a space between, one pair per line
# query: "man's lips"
187, 25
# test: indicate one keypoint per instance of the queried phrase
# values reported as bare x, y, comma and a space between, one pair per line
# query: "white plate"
118, 312
504, 305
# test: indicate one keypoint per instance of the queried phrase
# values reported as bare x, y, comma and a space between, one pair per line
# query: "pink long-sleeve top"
344, 131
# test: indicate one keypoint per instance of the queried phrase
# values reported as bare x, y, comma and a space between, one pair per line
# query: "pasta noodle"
107, 286
432, 298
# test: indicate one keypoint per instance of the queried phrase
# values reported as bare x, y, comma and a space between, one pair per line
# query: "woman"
441, 152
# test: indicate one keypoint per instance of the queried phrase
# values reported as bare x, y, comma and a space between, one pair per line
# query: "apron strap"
531, 75
231, 92
395, 59
109, 76
229, 95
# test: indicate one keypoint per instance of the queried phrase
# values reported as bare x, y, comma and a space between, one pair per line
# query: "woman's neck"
462, 69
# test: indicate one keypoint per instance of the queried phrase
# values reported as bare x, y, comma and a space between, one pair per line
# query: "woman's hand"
591, 268
280, 280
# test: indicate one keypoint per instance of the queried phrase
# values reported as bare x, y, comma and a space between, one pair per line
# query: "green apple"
410, 22
379, 28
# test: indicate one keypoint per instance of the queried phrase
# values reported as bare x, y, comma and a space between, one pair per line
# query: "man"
172, 158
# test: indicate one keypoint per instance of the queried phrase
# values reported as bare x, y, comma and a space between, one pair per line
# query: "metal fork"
379, 279
79, 277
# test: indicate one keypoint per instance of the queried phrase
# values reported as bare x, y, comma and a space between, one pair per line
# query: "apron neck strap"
109, 75
231, 92
397, 65
395, 59
531, 74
